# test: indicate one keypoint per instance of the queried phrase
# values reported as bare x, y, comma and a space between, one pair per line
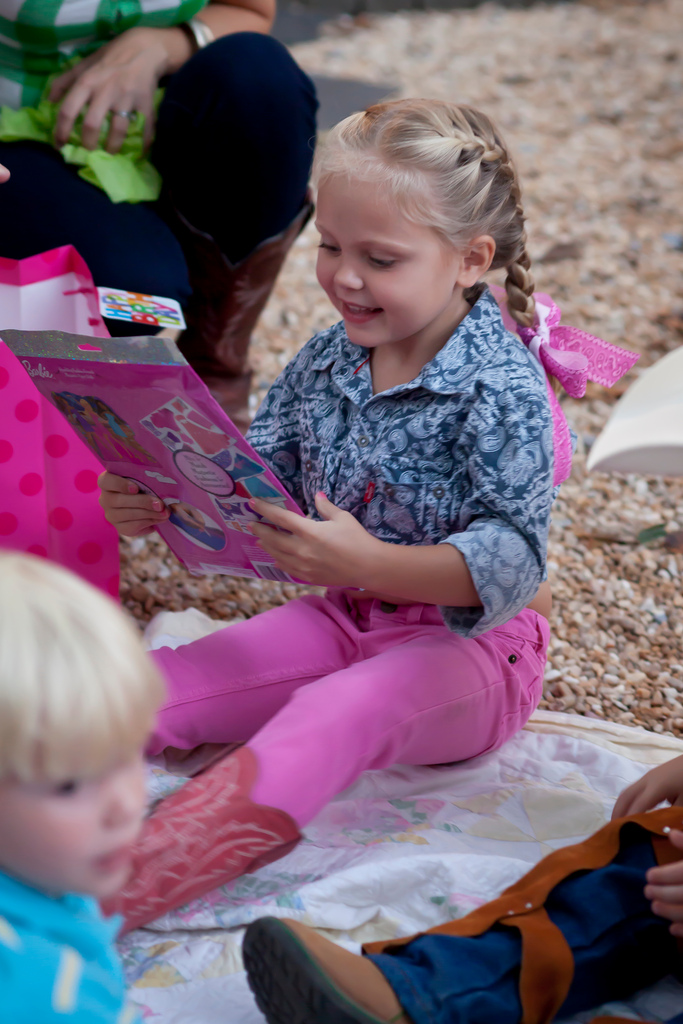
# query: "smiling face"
73, 836
395, 282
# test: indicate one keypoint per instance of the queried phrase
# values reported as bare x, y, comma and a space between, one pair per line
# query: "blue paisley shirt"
461, 455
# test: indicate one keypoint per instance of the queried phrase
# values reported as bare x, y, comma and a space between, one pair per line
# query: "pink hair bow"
573, 357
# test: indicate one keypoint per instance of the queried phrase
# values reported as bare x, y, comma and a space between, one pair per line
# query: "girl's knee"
351, 696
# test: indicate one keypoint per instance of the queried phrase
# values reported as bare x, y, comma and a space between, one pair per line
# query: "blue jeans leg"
619, 946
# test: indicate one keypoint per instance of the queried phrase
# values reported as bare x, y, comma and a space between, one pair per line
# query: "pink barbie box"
146, 415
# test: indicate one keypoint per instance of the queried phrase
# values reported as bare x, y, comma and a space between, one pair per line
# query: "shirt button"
308, 465
512, 659
438, 491
389, 491
363, 441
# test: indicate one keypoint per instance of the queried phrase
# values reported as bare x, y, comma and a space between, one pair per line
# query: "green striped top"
37, 37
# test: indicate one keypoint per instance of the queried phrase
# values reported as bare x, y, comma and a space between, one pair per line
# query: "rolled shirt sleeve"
503, 522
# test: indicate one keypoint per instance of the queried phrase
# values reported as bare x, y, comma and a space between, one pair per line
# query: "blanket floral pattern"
403, 849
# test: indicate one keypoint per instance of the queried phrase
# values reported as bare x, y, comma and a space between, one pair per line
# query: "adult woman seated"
233, 141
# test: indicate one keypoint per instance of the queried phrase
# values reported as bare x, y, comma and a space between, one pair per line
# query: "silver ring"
130, 114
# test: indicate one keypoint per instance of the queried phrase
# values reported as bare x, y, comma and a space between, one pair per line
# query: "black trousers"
234, 144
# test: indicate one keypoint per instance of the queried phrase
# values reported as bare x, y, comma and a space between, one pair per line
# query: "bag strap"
547, 968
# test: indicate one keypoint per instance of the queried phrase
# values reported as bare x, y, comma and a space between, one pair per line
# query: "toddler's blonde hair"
448, 167
77, 692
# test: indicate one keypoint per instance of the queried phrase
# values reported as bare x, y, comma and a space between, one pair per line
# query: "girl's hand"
662, 783
132, 512
336, 553
123, 75
665, 889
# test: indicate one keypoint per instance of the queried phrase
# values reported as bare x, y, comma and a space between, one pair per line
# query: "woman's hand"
665, 889
132, 512
334, 553
664, 783
123, 75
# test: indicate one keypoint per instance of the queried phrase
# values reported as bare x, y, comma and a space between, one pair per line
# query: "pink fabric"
571, 356
48, 478
324, 688
562, 439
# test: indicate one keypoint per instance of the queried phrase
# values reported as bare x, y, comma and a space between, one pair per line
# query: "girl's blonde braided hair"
447, 167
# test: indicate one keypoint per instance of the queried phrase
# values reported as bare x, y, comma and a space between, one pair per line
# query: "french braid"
448, 167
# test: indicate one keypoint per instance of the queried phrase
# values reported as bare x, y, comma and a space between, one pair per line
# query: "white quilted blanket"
401, 850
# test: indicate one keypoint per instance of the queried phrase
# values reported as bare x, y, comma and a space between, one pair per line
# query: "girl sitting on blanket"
417, 435
77, 700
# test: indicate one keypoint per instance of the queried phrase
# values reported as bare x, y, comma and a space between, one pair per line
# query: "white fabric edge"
633, 742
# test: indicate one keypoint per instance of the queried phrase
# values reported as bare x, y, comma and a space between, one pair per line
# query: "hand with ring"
119, 78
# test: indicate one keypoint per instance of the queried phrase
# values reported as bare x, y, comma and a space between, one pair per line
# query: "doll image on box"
71, 406
196, 525
101, 428
117, 431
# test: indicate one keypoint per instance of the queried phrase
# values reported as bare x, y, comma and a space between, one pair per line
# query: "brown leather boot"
204, 835
299, 977
227, 300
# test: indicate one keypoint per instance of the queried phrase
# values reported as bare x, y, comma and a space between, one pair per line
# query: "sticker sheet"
139, 308
144, 413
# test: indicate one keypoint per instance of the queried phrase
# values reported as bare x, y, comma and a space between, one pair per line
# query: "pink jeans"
324, 688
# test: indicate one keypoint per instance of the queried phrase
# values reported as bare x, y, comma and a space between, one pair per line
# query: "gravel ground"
590, 96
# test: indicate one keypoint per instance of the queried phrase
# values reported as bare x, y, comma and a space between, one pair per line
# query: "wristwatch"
199, 33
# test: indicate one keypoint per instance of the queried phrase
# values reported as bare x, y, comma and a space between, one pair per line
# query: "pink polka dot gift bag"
48, 477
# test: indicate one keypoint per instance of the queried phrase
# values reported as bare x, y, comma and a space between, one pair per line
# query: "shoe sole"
289, 985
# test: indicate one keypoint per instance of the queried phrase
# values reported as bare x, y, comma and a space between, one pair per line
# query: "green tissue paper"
127, 176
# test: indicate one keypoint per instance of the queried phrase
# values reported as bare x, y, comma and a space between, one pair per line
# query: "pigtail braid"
519, 286
519, 283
